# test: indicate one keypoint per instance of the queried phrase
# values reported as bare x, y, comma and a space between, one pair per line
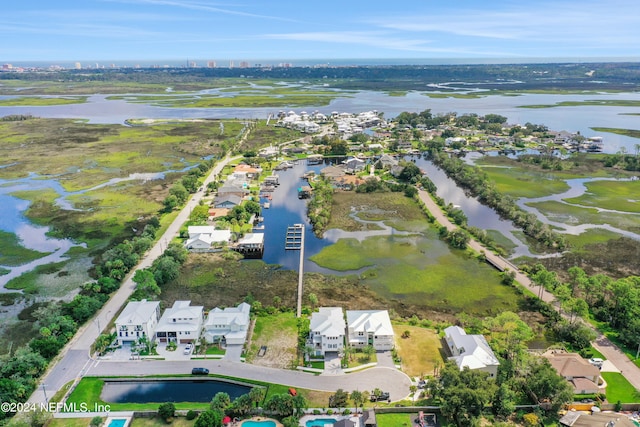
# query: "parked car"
187, 349
199, 371
596, 361
422, 384
383, 396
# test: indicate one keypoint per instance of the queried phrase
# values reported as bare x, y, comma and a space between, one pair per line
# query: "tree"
165, 269
209, 418
358, 398
313, 300
96, 421
504, 402
257, 394
339, 399
179, 192
166, 411
544, 383
146, 283
369, 351
220, 401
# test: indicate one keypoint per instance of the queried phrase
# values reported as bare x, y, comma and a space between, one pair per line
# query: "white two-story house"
370, 327
229, 325
327, 328
138, 319
472, 351
181, 323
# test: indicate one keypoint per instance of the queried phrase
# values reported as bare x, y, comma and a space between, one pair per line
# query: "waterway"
286, 208
158, 391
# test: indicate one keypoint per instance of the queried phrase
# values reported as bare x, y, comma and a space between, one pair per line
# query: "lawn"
395, 420
157, 422
70, 422
421, 353
619, 389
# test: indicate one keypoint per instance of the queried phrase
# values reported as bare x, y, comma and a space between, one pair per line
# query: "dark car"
199, 371
383, 396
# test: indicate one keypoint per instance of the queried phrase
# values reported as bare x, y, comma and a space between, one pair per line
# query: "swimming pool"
251, 423
321, 422
117, 422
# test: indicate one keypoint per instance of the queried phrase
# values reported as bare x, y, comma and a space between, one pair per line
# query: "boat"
267, 205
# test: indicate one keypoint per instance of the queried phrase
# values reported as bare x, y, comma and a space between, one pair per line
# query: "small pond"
166, 390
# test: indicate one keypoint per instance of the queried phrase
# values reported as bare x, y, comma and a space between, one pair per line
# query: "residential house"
370, 327
137, 320
471, 351
246, 172
354, 164
205, 237
333, 172
227, 201
368, 418
595, 419
582, 375
229, 325
387, 162
181, 323
233, 187
327, 329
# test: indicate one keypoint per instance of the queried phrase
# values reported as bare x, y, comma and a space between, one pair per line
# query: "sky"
264, 31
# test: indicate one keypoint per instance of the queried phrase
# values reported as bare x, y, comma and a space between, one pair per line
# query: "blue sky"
272, 30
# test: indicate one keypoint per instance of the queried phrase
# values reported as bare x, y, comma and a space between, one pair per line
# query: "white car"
596, 361
187, 349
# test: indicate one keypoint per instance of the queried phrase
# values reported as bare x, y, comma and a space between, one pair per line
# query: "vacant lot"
422, 352
279, 334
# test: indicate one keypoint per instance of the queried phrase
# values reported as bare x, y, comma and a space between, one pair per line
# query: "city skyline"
183, 30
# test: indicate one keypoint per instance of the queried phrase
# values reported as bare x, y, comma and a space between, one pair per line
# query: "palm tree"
358, 398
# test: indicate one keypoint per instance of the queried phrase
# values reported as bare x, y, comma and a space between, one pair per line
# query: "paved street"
388, 379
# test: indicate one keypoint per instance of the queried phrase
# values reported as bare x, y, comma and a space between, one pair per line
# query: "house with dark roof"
582, 375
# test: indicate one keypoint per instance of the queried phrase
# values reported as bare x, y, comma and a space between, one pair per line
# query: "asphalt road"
390, 380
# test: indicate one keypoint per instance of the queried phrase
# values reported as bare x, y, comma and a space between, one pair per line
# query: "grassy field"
634, 133
421, 353
588, 102
279, 333
157, 422
70, 422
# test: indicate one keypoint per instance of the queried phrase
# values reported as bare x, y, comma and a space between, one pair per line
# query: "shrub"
191, 415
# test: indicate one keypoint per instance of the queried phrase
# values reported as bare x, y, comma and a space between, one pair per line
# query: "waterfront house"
370, 327
206, 238
138, 319
233, 187
582, 375
246, 172
228, 325
327, 328
471, 351
227, 201
181, 323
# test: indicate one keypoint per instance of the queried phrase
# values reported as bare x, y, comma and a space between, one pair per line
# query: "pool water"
321, 422
267, 423
117, 422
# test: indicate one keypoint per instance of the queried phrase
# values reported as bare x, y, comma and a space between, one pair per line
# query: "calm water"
168, 391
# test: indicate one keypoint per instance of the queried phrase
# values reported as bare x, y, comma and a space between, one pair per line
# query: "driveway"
233, 353
385, 359
332, 364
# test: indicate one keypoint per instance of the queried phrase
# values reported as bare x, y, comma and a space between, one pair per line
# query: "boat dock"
295, 237
295, 241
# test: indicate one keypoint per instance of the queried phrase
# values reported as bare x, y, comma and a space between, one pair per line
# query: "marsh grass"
34, 101
12, 253
614, 195
573, 215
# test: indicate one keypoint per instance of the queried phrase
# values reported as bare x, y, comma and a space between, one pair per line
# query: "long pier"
295, 241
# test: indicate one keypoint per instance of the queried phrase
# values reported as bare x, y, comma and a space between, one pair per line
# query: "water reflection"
152, 391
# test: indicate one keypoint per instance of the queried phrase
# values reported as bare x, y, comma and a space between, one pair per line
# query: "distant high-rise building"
78, 66
192, 64
211, 64
7, 66
230, 64
244, 64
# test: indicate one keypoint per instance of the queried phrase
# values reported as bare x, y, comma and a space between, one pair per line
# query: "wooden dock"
295, 237
295, 241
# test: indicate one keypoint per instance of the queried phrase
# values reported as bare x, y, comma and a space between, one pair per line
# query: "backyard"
421, 351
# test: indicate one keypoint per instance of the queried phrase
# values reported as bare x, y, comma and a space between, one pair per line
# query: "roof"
138, 312
181, 310
597, 419
333, 171
201, 229
328, 321
374, 321
251, 238
474, 349
223, 198
572, 365
231, 315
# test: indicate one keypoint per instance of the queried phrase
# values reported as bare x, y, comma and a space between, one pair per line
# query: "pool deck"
353, 417
110, 418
